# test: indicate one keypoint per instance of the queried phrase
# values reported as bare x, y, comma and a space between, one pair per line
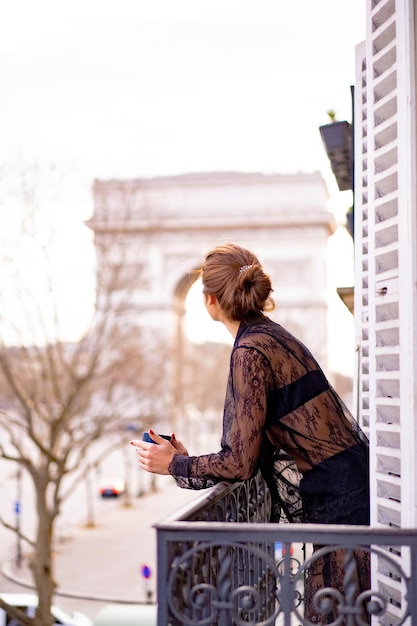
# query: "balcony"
221, 563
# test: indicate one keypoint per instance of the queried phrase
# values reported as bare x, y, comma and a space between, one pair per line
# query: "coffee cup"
146, 437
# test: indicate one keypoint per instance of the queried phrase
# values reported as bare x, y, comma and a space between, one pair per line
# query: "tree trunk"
42, 567
91, 520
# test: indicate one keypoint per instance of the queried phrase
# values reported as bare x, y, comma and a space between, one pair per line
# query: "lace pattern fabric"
282, 416
278, 403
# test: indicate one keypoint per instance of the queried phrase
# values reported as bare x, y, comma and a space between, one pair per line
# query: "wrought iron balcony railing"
249, 571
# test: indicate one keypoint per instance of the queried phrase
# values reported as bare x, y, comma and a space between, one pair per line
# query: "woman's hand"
178, 445
157, 458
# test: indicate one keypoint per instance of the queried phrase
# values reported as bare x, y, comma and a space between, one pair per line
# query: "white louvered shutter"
385, 268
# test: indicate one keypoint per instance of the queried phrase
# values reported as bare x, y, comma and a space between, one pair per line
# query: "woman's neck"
232, 326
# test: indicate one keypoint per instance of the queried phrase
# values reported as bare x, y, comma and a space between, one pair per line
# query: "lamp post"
337, 139
17, 511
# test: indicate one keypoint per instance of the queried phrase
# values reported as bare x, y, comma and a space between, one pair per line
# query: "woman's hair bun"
235, 276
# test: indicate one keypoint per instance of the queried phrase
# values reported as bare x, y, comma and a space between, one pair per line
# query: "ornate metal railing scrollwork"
212, 573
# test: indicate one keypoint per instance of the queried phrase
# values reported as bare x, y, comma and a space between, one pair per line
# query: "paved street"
101, 565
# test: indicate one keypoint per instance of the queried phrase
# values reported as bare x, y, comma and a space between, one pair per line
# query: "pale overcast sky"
106, 89
146, 87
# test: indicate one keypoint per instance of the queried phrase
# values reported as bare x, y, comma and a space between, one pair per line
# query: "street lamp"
17, 511
337, 139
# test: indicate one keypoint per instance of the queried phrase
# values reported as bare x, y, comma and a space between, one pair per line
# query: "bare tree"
59, 396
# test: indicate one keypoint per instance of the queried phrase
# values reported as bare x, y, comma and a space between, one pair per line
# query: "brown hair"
235, 276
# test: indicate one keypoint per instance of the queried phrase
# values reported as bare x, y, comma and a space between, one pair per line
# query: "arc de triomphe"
167, 224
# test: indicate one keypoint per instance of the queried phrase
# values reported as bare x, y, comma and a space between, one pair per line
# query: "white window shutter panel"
386, 267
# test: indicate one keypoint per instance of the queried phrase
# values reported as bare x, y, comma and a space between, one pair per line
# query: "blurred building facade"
161, 228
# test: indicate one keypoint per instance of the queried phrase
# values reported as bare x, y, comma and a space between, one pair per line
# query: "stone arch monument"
168, 224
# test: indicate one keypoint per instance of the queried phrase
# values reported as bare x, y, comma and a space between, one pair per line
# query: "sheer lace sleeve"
194, 483
243, 422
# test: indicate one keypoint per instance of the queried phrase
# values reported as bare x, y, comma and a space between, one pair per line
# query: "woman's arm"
243, 422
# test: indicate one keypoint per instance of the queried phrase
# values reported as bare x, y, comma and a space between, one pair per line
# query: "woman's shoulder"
259, 329
271, 338
260, 335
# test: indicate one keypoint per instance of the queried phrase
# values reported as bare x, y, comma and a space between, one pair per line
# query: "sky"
142, 88
137, 88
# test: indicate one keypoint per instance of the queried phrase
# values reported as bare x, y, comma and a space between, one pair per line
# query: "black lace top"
282, 416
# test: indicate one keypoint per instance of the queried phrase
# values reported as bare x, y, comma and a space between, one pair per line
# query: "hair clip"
244, 268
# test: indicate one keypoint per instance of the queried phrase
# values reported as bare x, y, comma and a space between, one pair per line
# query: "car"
28, 602
127, 615
111, 488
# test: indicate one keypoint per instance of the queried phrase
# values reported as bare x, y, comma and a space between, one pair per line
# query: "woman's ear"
212, 307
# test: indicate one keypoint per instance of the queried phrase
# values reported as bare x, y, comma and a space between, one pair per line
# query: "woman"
280, 416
